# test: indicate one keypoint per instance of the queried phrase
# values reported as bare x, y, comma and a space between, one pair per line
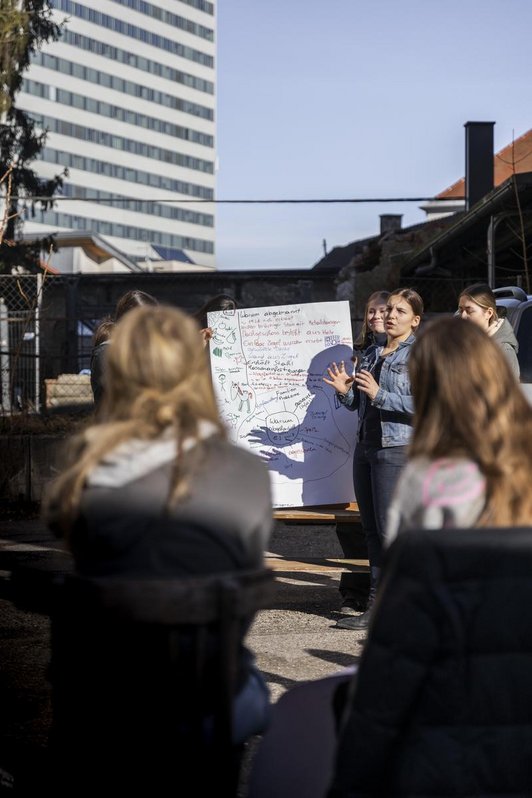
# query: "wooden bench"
321, 514
345, 517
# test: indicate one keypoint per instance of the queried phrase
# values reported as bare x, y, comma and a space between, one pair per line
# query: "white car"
518, 307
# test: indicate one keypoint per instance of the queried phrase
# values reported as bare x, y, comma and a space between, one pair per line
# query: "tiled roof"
518, 153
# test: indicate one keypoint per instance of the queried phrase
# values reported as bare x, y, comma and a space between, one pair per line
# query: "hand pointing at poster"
340, 380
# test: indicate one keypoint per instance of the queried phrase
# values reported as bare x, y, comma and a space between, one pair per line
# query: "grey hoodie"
124, 526
504, 335
449, 492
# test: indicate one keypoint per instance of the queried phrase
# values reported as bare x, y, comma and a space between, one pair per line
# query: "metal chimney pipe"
478, 161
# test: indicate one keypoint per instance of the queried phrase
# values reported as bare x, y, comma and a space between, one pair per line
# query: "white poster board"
267, 368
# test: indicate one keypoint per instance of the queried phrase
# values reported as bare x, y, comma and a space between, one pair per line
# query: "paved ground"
294, 639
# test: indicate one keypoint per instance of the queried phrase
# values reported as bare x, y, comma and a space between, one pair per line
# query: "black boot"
351, 605
362, 621
355, 622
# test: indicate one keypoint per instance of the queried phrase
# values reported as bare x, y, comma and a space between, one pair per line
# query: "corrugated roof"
97, 247
500, 199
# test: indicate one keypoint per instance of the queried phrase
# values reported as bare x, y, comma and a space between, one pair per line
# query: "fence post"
71, 295
5, 380
37, 329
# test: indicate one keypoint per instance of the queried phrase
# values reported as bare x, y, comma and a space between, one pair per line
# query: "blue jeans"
375, 473
252, 708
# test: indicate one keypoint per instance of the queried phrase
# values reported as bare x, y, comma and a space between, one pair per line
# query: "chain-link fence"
20, 305
47, 322
33, 336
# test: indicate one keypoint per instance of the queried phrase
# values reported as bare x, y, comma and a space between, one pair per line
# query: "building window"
54, 219
117, 25
117, 142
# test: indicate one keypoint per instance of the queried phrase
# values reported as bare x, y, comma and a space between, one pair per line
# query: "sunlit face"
375, 316
470, 310
400, 319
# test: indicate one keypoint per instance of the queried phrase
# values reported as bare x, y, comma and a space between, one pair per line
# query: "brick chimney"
390, 222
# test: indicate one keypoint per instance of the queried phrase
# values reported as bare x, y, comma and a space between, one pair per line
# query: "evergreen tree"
25, 25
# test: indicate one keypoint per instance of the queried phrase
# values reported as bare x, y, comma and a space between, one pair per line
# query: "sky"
321, 99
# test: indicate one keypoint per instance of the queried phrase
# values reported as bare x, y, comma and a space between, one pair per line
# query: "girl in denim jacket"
380, 390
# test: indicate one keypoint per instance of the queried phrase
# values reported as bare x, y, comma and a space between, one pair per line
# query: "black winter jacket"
442, 705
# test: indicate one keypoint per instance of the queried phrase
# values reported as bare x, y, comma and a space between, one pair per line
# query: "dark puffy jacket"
442, 705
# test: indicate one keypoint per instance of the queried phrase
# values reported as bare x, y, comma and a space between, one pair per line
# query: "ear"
416, 321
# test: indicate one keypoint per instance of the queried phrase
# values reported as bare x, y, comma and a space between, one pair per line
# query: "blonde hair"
157, 379
468, 403
363, 339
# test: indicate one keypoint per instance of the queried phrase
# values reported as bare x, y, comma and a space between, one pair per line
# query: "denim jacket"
394, 398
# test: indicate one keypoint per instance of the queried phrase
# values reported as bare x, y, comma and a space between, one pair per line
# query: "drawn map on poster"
267, 368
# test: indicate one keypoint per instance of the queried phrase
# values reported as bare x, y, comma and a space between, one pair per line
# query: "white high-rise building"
128, 97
